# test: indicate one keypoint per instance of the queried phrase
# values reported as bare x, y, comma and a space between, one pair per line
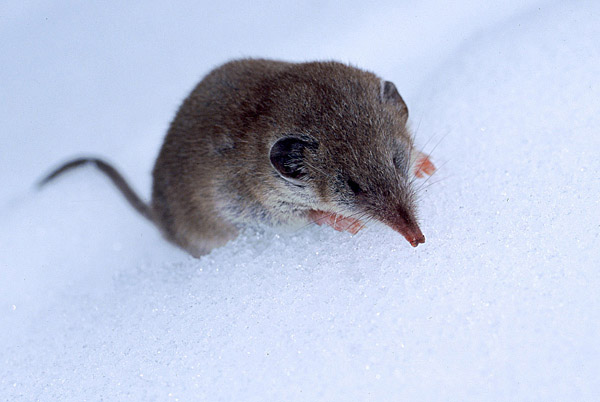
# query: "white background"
501, 303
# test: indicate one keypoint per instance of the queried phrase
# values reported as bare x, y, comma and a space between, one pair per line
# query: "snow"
501, 303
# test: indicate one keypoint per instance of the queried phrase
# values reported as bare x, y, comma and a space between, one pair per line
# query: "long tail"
112, 174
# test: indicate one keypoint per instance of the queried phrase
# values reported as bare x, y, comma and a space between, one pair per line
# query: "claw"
423, 165
338, 222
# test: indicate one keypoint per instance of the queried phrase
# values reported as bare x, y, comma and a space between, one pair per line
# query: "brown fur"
213, 174
275, 142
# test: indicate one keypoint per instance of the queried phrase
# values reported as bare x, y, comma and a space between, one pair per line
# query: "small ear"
287, 157
390, 94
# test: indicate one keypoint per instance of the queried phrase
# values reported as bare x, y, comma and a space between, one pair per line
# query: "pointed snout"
412, 233
405, 224
415, 238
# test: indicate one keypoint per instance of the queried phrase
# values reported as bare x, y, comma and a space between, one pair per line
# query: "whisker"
414, 136
427, 142
441, 179
430, 176
439, 142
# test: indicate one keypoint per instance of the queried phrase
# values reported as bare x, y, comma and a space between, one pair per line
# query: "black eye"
354, 187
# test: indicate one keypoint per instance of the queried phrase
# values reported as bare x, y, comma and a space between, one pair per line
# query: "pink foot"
338, 222
423, 165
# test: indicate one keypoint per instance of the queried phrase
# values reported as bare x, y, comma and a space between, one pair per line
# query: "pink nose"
412, 233
415, 241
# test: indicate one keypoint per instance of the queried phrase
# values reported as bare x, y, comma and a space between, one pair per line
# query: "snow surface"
501, 303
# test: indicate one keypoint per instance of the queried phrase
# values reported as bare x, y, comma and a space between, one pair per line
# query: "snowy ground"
501, 303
